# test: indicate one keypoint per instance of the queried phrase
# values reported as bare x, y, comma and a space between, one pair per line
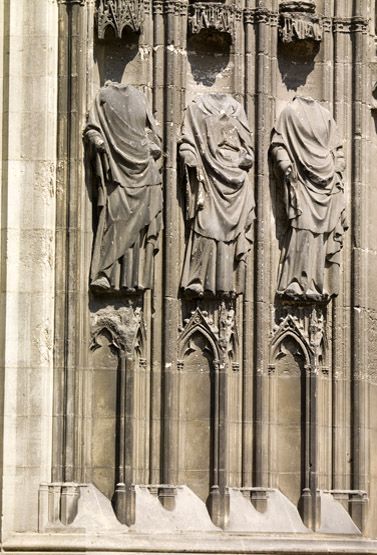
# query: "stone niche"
212, 366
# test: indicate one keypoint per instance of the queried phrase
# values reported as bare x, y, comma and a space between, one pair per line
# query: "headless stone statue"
216, 149
123, 146
308, 161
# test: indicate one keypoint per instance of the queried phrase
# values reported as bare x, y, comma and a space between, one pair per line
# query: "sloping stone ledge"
196, 543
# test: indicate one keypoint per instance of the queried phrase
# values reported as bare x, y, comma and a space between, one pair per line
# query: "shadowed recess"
296, 62
208, 53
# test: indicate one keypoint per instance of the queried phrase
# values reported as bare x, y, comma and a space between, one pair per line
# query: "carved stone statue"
123, 146
308, 161
216, 149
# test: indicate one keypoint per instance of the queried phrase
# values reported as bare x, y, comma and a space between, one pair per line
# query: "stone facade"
188, 276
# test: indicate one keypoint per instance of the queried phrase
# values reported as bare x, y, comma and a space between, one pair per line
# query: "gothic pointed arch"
199, 323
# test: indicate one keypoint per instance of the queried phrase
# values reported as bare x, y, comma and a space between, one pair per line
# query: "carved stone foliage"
221, 334
124, 325
298, 21
213, 15
119, 14
220, 204
123, 147
308, 161
306, 326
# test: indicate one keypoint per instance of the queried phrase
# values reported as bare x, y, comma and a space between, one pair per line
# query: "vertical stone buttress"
29, 35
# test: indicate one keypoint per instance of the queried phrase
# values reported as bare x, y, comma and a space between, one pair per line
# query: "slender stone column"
70, 302
264, 121
248, 300
327, 49
360, 387
156, 301
339, 362
172, 214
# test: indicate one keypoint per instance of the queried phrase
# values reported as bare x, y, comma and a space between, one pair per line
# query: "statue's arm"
187, 143
154, 145
193, 177
245, 134
282, 164
153, 134
340, 160
248, 157
94, 138
188, 154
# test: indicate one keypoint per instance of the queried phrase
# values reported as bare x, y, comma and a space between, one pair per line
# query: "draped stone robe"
216, 148
305, 140
123, 146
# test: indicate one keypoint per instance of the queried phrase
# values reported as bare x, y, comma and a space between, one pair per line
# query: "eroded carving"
213, 15
350, 25
260, 15
308, 162
221, 335
306, 325
123, 146
298, 21
119, 14
175, 7
125, 325
217, 154
227, 331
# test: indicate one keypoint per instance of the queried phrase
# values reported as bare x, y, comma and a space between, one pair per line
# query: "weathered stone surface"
139, 418
216, 150
123, 146
308, 159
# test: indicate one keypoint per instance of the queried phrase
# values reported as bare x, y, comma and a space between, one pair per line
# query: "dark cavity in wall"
208, 54
296, 62
113, 54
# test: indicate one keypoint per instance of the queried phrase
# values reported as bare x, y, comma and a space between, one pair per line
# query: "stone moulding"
169, 7
119, 14
57, 504
69, 2
298, 21
350, 25
260, 15
213, 15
